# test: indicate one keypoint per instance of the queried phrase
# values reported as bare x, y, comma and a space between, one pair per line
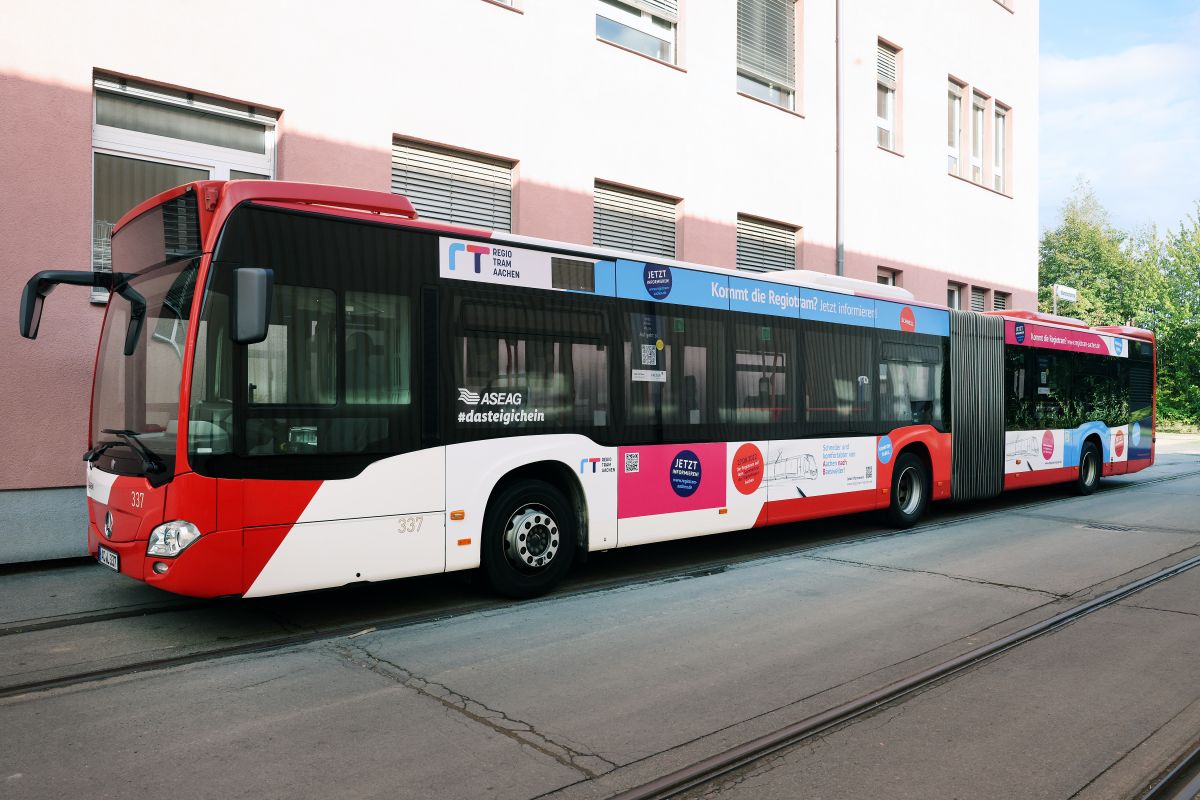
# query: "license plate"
108, 558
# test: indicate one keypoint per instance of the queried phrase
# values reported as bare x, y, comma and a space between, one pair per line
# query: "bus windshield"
135, 399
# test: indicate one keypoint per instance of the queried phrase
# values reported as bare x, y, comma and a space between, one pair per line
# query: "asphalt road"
648, 660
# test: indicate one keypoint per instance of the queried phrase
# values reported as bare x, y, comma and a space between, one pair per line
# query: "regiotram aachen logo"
477, 250
502, 402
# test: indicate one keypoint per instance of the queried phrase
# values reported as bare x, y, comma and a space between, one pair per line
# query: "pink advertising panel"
1076, 341
661, 479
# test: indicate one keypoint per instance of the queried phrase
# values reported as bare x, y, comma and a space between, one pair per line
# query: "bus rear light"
463, 542
458, 515
171, 538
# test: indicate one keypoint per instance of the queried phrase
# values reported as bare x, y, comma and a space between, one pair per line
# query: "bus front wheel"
910, 491
528, 539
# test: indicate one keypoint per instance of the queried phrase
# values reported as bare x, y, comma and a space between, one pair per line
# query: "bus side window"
838, 368
762, 361
674, 371
910, 378
528, 367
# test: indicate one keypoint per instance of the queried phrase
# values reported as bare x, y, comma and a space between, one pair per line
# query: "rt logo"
477, 250
583, 462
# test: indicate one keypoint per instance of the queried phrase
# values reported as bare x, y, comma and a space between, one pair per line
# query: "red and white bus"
302, 386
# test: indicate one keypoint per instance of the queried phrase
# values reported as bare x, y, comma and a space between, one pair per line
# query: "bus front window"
135, 399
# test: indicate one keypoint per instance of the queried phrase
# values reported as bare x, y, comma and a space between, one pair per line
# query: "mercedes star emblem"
108, 525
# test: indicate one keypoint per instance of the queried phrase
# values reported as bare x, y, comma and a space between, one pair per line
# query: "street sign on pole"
1067, 293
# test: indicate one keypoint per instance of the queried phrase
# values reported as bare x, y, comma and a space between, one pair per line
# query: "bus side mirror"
251, 304
34, 294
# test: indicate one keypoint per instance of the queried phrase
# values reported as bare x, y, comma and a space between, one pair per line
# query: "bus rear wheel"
910, 491
528, 539
1089, 469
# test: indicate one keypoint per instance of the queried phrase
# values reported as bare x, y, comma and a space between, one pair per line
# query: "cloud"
1128, 122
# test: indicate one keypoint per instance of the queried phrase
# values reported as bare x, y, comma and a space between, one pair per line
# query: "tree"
1139, 279
1117, 275
1178, 329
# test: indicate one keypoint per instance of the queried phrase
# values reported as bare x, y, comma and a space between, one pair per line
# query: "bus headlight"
171, 538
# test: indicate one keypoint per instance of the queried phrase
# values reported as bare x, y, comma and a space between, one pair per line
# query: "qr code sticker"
631, 462
649, 355
870, 471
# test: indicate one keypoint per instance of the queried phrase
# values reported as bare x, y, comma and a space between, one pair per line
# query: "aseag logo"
467, 397
478, 250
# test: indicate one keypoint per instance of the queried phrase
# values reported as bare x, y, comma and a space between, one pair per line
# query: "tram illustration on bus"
302, 386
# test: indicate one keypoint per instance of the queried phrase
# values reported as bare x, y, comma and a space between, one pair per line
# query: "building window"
765, 246
452, 186
1001, 301
887, 277
626, 219
978, 299
978, 122
954, 296
644, 26
147, 139
954, 99
887, 84
1000, 149
766, 42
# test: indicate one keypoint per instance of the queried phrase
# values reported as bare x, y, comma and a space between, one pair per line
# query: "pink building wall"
535, 87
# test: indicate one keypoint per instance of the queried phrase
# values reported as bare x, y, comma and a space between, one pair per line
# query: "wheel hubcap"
1089, 469
531, 537
908, 491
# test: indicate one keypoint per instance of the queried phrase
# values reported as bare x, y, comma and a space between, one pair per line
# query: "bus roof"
218, 198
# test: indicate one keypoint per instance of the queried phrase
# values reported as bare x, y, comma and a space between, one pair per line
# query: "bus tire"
1089, 469
528, 539
910, 491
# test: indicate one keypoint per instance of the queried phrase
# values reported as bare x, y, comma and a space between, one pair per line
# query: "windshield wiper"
150, 461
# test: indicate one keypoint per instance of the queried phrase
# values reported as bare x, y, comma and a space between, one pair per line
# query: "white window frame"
954, 97
999, 148
136, 145
152, 147
887, 124
954, 292
643, 22
887, 277
979, 106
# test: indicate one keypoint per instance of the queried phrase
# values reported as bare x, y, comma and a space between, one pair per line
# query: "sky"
1120, 108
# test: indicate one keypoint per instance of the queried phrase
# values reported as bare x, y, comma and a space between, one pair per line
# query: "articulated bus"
302, 386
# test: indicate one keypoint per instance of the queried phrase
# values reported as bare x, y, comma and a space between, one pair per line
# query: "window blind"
663, 9
977, 299
763, 246
766, 35
886, 65
629, 220
453, 187
1000, 301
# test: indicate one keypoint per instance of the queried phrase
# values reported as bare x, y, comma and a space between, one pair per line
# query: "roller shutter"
454, 187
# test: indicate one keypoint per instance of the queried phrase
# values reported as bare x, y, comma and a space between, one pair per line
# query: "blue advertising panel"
839, 309
606, 278
658, 283
762, 297
911, 319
